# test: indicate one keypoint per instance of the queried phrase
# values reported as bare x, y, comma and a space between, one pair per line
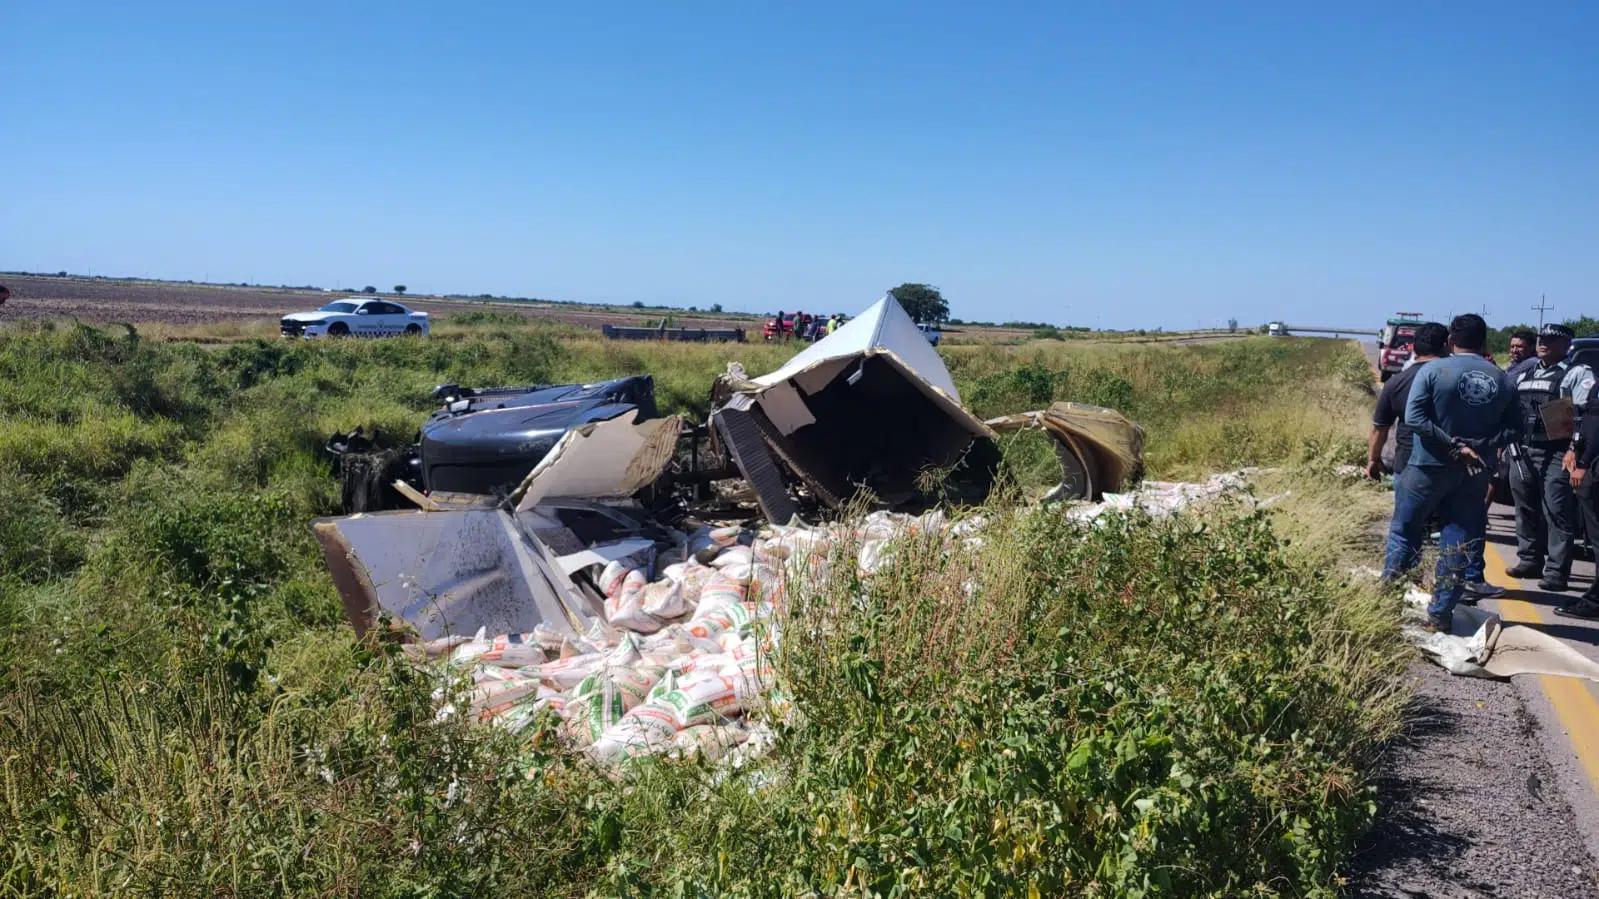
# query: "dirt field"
159, 302
145, 302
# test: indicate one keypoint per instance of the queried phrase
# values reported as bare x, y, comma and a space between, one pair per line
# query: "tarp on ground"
1481, 644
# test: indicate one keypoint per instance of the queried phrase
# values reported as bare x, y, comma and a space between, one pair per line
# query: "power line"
1542, 307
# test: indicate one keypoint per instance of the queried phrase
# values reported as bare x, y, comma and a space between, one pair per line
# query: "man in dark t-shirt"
1432, 342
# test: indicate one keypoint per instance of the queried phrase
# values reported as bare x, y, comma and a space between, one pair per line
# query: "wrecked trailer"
566, 592
870, 407
513, 484
1099, 449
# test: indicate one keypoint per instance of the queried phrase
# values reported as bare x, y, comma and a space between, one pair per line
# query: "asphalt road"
1492, 793
1566, 709
1495, 791
1370, 347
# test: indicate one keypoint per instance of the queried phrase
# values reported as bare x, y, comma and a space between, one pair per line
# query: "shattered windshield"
338, 307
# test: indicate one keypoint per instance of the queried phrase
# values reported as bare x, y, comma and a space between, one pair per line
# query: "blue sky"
1115, 164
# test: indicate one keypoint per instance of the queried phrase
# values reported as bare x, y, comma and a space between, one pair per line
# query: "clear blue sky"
1114, 164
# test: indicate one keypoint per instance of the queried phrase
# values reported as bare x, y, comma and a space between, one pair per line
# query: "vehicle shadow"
1571, 629
1406, 834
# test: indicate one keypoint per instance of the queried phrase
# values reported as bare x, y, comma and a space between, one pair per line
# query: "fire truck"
1396, 343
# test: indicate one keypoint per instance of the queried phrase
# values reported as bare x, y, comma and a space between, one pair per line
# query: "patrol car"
357, 317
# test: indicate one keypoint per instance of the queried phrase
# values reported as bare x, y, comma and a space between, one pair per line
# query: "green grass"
1136, 709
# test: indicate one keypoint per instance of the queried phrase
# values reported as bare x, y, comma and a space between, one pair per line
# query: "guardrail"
1317, 329
691, 335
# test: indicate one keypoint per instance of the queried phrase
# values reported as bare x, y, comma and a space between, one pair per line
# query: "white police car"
357, 317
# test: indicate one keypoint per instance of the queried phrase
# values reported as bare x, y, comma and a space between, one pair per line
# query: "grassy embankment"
1135, 709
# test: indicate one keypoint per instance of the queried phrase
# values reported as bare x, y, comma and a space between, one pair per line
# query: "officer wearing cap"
1551, 394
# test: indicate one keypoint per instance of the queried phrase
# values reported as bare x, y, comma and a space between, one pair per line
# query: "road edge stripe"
1575, 707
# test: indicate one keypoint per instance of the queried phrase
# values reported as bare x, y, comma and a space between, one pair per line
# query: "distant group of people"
805, 326
1460, 421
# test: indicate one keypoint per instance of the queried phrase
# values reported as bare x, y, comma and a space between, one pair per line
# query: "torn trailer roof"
870, 406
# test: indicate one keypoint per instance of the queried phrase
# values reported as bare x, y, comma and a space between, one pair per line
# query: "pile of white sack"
680, 661
682, 664
1160, 499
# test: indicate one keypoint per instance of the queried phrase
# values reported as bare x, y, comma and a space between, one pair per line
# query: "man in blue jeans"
1462, 409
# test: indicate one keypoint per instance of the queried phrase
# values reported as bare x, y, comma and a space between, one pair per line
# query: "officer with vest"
1551, 393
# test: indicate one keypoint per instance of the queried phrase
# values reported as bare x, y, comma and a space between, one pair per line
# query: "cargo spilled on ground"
1132, 708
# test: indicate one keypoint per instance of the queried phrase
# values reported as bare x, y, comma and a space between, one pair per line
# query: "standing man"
1432, 342
1462, 409
1585, 454
1521, 352
1550, 393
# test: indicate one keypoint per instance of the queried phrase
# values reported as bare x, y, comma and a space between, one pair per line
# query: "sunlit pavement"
1567, 709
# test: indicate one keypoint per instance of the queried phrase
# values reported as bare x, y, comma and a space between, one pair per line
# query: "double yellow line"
1575, 706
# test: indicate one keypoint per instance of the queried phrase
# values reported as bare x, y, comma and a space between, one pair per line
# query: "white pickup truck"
357, 317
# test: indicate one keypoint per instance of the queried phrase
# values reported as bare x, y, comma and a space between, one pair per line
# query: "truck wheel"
412, 330
338, 329
1386, 375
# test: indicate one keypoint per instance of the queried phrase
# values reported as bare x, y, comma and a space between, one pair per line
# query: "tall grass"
1136, 708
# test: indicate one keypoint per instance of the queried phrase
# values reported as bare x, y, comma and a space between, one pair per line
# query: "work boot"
1551, 585
1585, 607
1525, 569
1439, 622
1478, 590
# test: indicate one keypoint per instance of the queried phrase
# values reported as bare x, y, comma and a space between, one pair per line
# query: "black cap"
1557, 330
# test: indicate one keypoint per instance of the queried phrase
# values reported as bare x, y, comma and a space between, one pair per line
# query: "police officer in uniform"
1583, 463
1546, 509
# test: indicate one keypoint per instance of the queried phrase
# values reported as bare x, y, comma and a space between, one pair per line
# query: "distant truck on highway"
1397, 343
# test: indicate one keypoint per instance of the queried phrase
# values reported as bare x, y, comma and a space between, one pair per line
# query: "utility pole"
1542, 307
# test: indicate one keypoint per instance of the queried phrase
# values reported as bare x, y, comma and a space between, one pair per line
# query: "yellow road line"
1575, 707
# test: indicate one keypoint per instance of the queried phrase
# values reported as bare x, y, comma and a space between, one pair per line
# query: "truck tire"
1385, 376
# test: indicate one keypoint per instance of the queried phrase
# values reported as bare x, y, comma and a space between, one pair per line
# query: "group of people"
1460, 421
807, 326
